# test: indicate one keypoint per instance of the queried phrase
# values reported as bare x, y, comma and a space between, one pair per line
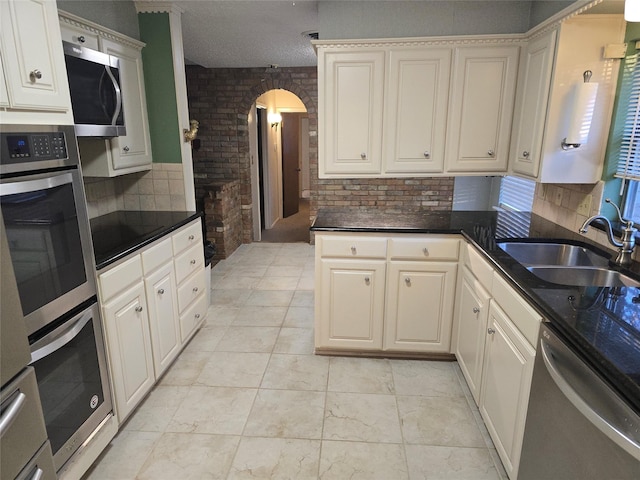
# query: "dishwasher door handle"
606, 426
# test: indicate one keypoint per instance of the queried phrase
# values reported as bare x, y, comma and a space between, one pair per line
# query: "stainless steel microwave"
96, 96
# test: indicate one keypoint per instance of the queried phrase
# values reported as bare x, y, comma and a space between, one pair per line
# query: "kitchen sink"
583, 276
553, 254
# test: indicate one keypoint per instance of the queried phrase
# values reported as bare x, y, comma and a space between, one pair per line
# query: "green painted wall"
160, 86
612, 185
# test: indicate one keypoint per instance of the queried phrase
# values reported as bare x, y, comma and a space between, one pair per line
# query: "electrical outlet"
584, 207
557, 196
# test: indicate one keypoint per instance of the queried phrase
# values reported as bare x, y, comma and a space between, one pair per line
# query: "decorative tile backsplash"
161, 188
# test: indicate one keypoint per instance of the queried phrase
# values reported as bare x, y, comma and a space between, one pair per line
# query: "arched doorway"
278, 127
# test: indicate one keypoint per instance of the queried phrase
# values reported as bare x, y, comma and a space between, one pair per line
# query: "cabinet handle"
35, 75
195, 289
81, 39
491, 331
491, 153
161, 291
476, 310
427, 155
197, 315
367, 280
425, 250
126, 148
407, 280
191, 237
12, 410
193, 262
525, 154
353, 250
363, 155
138, 309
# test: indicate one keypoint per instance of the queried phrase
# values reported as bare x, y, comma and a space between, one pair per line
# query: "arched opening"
278, 128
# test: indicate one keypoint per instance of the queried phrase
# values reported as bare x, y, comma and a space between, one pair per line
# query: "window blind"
516, 194
629, 157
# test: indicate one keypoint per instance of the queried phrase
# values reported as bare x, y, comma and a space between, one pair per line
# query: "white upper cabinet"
350, 107
35, 81
536, 66
481, 108
546, 97
416, 110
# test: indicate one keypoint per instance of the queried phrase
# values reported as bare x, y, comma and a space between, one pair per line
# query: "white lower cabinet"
150, 312
504, 397
379, 293
472, 317
129, 346
419, 308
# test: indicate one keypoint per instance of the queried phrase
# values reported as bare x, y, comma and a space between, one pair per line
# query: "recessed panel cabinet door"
531, 107
481, 108
419, 309
350, 115
32, 56
352, 304
416, 110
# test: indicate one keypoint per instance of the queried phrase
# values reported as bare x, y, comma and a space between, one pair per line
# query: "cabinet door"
536, 65
419, 309
506, 380
350, 103
129, 346
481, 108
33, 57
416, 110
472, 317
4, 96
133, 149
164, 322
350, 312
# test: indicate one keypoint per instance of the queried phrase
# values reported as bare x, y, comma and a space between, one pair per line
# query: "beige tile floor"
247, 399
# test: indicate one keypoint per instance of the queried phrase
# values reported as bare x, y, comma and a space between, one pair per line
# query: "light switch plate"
584, 208
615, 50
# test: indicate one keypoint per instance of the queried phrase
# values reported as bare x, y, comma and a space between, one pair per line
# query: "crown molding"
150, 6
96, 29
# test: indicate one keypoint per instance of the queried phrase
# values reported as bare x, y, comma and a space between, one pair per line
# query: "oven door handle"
608, 426
55, 339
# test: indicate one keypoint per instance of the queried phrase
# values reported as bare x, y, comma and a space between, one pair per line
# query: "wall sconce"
584, 102
632, 10
274, 119
190, 135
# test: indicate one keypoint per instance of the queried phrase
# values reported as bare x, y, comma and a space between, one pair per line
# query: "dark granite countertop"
603, 324
121, 233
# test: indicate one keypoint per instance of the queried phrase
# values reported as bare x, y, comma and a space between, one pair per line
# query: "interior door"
290, 163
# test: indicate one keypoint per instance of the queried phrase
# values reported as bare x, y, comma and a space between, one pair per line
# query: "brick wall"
223, 216
220, 99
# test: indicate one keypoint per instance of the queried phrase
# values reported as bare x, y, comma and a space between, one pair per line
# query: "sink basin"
553, 254
583, 276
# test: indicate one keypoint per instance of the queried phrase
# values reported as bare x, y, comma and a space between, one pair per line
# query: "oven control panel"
36, 148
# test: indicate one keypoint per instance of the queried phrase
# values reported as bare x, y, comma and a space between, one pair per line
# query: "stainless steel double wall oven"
47, 230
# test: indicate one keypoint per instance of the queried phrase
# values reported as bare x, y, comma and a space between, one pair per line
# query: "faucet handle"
628, 223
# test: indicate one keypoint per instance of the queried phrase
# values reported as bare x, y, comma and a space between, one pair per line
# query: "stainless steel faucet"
627, 240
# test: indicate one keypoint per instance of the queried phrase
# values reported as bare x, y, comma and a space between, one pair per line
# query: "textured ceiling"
248, 33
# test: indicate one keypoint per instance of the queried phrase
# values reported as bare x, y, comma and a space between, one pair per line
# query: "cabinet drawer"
120, 277
353, 247
424, 248
193, 316
188, 262
184, 239
156, 256
191, 288
79, 36
525, 318
480, 268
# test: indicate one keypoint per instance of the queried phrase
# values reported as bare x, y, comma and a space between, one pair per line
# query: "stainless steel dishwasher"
577, 427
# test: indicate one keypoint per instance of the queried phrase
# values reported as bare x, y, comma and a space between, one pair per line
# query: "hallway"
291, 229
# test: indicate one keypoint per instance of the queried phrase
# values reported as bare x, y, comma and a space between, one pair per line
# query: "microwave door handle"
116, 88
61, 339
